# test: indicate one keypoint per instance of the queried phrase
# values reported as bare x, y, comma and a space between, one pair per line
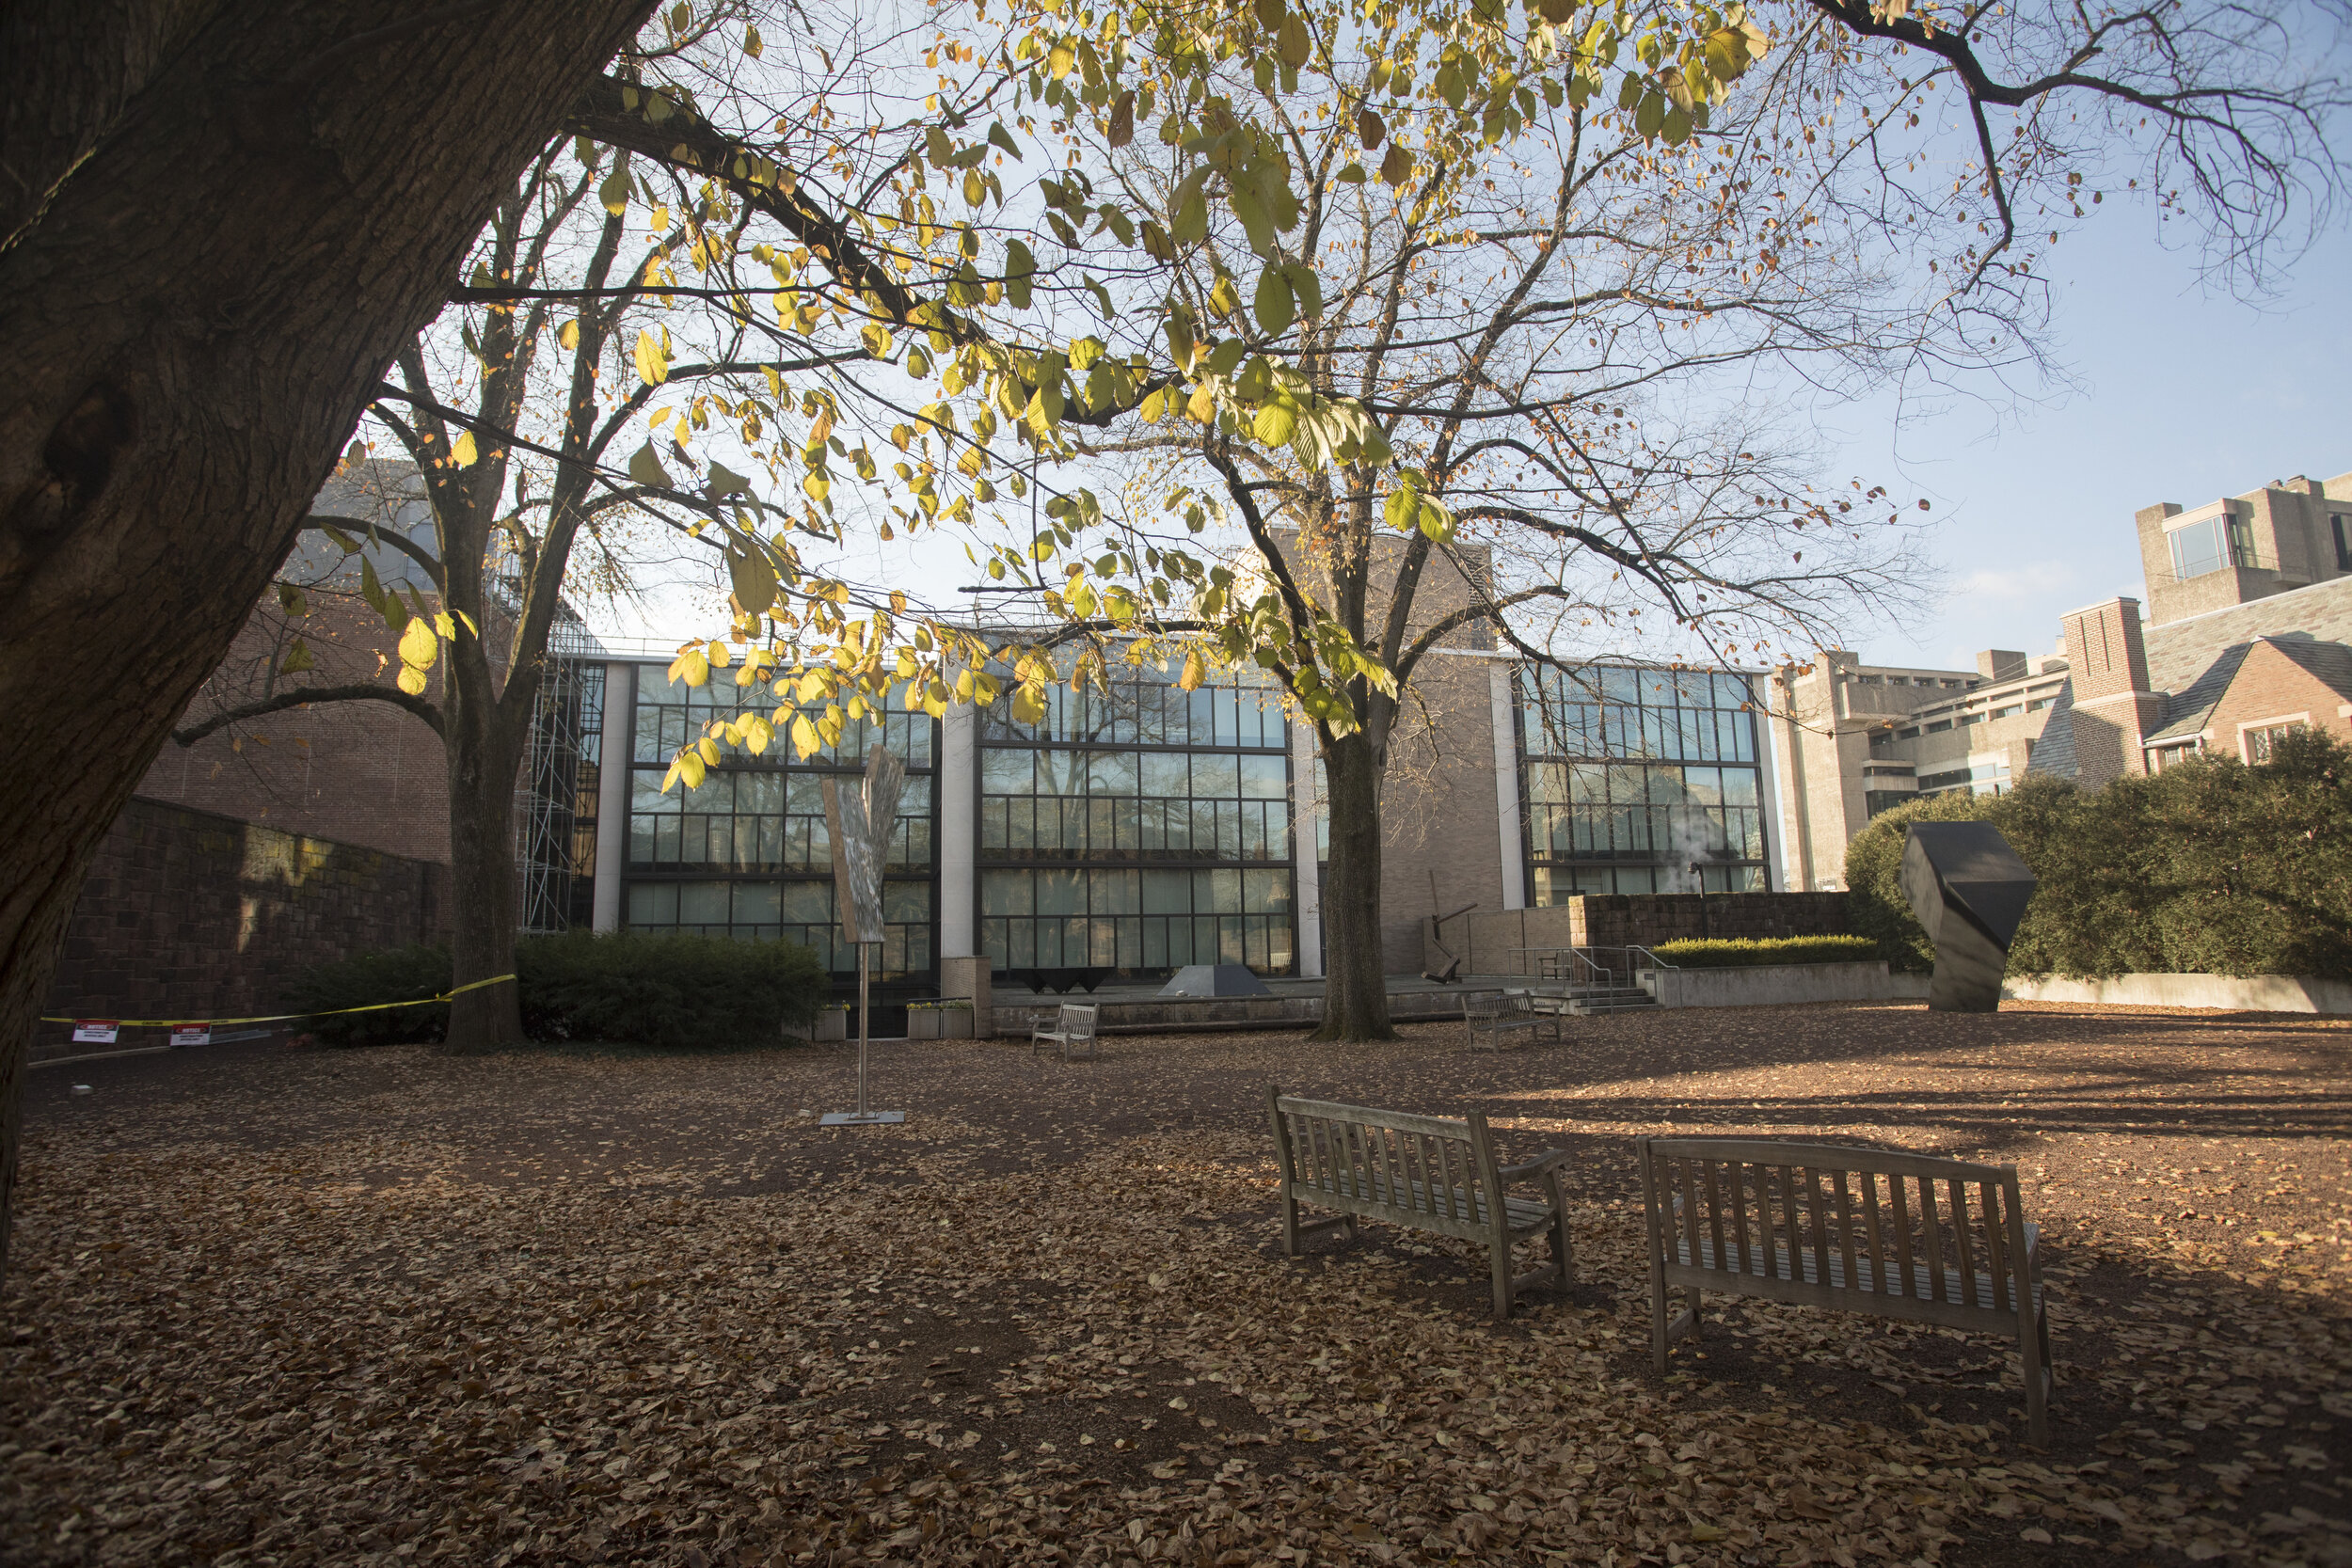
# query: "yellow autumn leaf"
653, 363
417, 645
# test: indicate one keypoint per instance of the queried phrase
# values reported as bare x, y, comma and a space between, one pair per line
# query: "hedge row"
2210, 867
667, 992
1745, 952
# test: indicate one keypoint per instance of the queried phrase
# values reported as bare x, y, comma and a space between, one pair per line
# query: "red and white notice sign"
192, 1033
95, 1031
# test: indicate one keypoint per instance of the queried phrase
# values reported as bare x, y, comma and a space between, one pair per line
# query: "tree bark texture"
217, 225
485, 754
1355, 983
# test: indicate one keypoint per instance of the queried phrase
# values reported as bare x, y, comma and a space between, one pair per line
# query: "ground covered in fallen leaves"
268, 1306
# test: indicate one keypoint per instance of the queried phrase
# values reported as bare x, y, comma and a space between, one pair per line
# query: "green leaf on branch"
1275, 308
644, 468
754, 577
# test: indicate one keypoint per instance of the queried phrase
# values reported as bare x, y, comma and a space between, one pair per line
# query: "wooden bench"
1073, 1031
1423, 1173
1858, 1229
1501, 1018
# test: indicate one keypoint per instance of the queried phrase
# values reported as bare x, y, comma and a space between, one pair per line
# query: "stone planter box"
939, 1023
833, 1023
1768, 985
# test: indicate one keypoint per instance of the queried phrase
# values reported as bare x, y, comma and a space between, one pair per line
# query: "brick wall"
1440, 837
1504, 944
356, 772
187, 914
2270, 688
1644, 920
2105, 655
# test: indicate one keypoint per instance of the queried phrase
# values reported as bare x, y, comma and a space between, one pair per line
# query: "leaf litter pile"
268, 1306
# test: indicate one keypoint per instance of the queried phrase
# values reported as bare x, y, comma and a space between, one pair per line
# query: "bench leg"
1657, 1341
2033, 1348
1502, 1276
1290, 1224
1690, 1306
1562, 1250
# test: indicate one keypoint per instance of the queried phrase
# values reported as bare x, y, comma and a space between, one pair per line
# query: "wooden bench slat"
1966, 1259
1425, 1173
1853, 1156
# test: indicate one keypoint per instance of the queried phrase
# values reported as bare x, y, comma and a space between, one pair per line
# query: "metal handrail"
1655, 961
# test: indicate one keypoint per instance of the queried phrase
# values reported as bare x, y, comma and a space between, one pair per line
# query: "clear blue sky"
2184, 393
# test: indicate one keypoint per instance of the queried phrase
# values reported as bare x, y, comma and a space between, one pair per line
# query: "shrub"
398, 975
667, 992
2209, 867
1743, 952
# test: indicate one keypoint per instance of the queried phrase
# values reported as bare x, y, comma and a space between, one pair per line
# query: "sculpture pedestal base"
859, 1119
1968, 970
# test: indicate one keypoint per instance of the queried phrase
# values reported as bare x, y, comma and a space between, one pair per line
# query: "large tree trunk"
484, 886
218, 223
1355, 983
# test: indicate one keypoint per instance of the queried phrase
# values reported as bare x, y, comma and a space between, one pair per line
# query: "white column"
1772, 808
613, 768
959, 805
1500, 683
1304, 810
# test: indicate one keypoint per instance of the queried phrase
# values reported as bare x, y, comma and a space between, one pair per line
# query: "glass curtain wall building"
748, 854
1640, 780
1138, 830
1146, 828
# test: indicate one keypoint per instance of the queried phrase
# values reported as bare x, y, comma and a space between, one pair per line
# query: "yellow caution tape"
280, 1018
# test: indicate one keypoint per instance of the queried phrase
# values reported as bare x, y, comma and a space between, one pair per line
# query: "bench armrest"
1531, 1168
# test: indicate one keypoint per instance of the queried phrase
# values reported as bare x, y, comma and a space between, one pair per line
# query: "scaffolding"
555, 814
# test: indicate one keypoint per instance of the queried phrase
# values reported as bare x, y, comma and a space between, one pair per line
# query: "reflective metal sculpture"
861, 824
1969, 890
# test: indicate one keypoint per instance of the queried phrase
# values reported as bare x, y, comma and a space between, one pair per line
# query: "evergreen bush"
400, 975
667, 992
1747, 952
2210, 867
663, 993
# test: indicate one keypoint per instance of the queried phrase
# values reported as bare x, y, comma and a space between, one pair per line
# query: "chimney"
2103, 650
2001, 664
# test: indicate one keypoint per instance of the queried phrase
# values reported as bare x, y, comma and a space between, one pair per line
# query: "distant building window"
2262, 743
1911, 733
2209, 545
2160, 759
1969, 719
2343, 543
1951, 685
1939, 726
2036, 705
2010, 712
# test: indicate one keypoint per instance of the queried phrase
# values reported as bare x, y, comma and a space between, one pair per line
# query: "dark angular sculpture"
1216, 980
1969, 890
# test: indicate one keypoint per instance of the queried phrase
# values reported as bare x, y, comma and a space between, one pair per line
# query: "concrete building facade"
2247, 629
